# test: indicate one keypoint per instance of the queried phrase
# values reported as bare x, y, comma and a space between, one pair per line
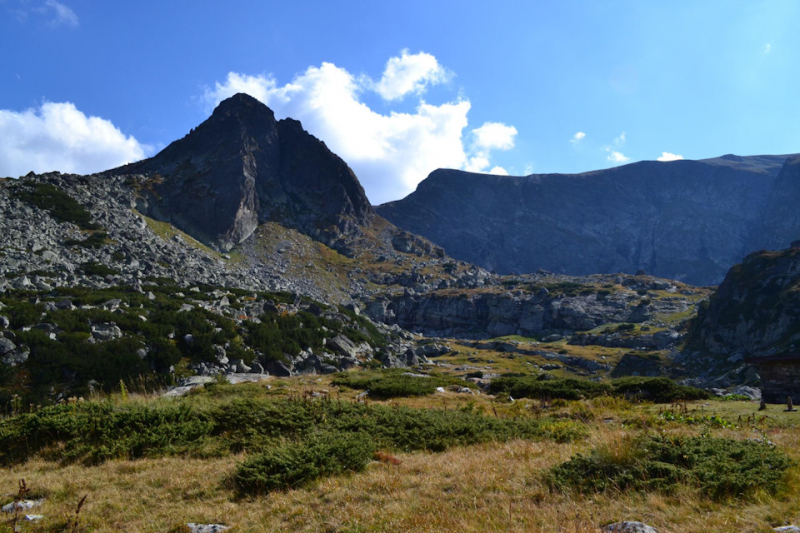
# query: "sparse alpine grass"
719, 468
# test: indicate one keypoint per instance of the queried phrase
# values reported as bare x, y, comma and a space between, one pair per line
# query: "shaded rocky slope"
779, 223
240, 168
756, 310
683, 220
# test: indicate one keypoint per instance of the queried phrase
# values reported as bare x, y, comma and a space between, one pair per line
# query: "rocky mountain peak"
240, 168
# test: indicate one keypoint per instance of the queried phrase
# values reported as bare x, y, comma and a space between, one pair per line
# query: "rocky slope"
683, 220
756, 310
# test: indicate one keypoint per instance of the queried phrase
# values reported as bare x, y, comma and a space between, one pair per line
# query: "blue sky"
401, 88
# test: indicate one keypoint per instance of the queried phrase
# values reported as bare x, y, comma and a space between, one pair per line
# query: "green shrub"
539, 387
386, 384
293, 464
95, 240
720, 468
93, 268
93, 432
658, 390
61, 205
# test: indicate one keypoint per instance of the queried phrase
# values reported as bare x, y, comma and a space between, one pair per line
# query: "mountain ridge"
684, 220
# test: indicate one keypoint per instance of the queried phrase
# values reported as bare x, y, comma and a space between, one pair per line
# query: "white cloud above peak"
577, 137
617, 157
494, 136
666, 156
390, 152
410, 74
58, 136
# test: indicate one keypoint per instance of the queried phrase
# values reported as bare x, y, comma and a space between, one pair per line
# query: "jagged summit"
240, 168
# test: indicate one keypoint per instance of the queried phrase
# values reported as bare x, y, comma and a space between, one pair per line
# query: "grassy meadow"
306, 454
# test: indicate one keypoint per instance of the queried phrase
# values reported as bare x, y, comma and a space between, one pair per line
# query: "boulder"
6, 346
343, 346
106, 331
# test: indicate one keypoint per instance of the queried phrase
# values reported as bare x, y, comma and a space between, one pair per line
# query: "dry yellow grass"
477, 489
486, 488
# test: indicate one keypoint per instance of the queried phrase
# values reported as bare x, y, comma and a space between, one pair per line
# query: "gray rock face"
684, 220
496, 314
756, 310
240, 168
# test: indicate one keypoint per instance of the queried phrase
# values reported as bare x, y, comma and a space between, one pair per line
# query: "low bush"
386, 384
540, 387
294, 464
95, 240
658, 390
720, 468
93, 268
93, 431
61, 205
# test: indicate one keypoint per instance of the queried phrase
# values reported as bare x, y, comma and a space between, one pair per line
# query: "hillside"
683, 220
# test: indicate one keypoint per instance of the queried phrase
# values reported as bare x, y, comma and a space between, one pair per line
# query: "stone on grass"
206, 528
628, 527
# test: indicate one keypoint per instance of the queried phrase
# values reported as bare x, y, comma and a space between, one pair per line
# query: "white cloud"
617, 157
410, 73
389, 152
61, 14
55, 13
494, 136
620, 141
666, 156
768, 48
577, 137
57, 136
499, 171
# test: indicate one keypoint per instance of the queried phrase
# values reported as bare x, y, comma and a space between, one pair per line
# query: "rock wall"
684, 220
494, 314
756, 310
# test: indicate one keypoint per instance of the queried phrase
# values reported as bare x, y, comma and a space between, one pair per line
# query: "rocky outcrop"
684, 220
756, 310
452, 313
240, 168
